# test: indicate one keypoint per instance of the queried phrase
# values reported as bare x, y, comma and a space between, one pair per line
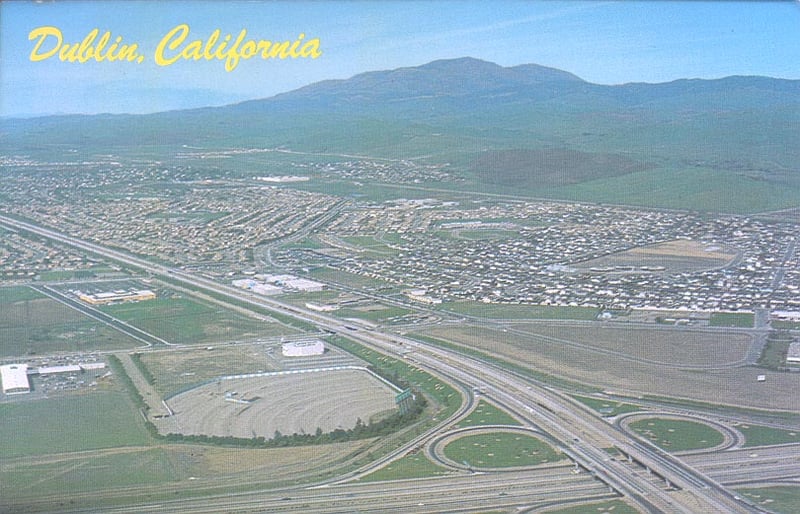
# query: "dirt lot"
288, 403
626, 364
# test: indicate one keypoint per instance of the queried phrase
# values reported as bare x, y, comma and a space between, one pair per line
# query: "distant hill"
524, 129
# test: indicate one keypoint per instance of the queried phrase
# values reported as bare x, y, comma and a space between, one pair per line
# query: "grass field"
779, 499
677, 435
501, 311
31, 324
175, 370
757, 435
732, 319
181, 320
612, 506
352, 280
14, 294
98, 419
487, 414
414, 465
625, 359
170, 471
607, 407
676, 256
500, 450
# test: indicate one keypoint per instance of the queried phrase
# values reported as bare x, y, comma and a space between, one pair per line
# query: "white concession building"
303, 348
15, 378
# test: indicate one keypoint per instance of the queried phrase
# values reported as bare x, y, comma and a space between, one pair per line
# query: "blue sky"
602, 42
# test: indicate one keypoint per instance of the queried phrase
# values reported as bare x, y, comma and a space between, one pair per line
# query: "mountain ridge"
528, 129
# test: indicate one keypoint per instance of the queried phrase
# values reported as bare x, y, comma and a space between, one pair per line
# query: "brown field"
288, 403
636, 362
675, 256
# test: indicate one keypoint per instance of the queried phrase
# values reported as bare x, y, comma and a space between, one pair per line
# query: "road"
585, 437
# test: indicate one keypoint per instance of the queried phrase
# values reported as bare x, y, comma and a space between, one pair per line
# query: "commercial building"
15, 378
116, 296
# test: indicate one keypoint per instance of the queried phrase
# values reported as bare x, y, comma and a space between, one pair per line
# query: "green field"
501, 311
175, 370
101, 471
608, 408
500, 450
612, 506
373, 247
779, 499
33, 325
677, 435
16, 294
352, 280
487, 414
98, 419
757, 435
732, 319
410, 466
181, 320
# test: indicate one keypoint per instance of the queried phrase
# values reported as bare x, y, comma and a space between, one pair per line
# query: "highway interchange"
646, 476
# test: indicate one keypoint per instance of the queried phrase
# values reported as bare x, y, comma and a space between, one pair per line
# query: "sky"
601, 42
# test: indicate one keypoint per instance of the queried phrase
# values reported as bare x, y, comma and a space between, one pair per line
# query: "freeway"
750, 465
584, 435
456, 493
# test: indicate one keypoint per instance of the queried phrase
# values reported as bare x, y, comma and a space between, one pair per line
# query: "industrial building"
116, 296
15, 378
303, 348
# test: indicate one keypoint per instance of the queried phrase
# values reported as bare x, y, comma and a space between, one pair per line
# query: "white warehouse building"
303, 348
15, 378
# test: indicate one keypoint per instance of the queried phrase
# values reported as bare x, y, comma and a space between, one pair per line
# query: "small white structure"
303, 348
48, 370
785, 315
793, 355
88, 366
15, 378
322, 307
